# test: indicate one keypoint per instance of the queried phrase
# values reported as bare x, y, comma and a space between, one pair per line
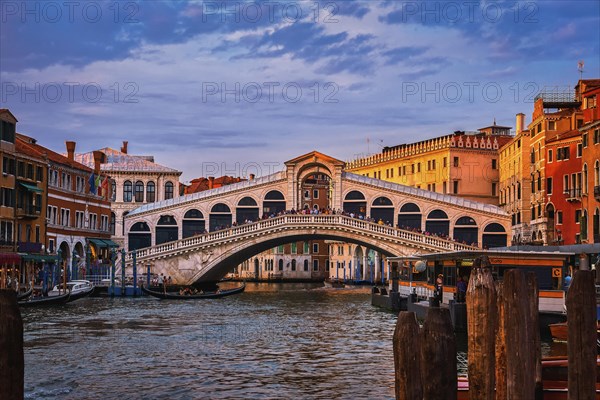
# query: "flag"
98, 181
92, 182
105, 187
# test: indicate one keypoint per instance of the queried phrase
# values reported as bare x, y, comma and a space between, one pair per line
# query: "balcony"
28, 211
28, 247
573, 194
597, 192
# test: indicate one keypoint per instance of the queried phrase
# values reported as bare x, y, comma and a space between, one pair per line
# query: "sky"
234, 88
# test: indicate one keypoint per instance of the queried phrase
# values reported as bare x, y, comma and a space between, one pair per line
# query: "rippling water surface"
270, 342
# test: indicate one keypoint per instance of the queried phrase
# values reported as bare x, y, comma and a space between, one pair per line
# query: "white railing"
295, 221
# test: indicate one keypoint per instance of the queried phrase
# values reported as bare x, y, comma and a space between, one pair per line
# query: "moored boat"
554, 380
25, 295
209, 295
333, 283
45, 301
560, 331
77, 289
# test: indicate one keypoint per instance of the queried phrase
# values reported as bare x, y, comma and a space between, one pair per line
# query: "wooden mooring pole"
500, 344
11, 347
533, 333
407, 361
438, 356
581, 343
520, 358
481, 327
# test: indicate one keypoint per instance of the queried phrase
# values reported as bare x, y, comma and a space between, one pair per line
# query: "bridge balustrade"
295, 219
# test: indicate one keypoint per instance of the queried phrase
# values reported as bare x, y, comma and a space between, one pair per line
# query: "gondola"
25, 295
45, 301
211, 295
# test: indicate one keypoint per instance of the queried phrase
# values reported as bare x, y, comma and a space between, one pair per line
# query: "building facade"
78, 209
515, 182
464, 164
135, 180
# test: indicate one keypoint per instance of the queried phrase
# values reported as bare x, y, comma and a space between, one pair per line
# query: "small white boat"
77, 288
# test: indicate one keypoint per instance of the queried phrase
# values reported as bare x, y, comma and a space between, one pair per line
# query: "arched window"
383, 209
293, 265
354, 202
437, 222
465, 230
150, 192
273, 203
247, 210
139, 192
124, 215
584, 189
139, 236
597, 173
166, 229
168, 190
113, 193
305, 265
494, 235
280, 264
127, 191
113, 220
220, 217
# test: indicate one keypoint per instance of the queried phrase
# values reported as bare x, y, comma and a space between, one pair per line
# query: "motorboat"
77, 288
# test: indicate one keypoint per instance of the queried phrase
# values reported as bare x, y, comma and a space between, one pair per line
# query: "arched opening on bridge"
166, 229
465, 230
355, 203
409, 217
247, 210
220, 217
494, 235
382, 210
315, 191
273, 203
139, 236
438, 223
193, 223
256, 268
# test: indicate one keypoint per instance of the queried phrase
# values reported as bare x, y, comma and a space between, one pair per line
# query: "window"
65, 217
65, 182
418, 167
559, 217
566, 184
113, 221
305, 265
456, 161
579, 150
445, 162
551, 125
6, 232
20, 169
306, 195
596, 136
280, 264
79, 219
8, 165
584, 140
168, 190
150, 192
7, 131
280, 249
293, 265
494, 163
315, 265
104, 222
294, 248
494, 186
306, 248
550, 156
127, 191
30, 171
93, 221
455, 188
315, 247
577, 216
7, 197
139, 192
549, 186
316, 193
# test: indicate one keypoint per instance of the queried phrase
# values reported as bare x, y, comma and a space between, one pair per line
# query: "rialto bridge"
202, 236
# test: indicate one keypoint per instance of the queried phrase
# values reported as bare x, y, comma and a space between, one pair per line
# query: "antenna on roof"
580, 65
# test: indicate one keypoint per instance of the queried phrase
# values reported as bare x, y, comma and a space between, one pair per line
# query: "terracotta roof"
564, 135
202, 184
117, 161
26, 145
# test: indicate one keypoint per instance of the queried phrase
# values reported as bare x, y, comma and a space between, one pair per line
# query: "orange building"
78, 210
463, 164
589, 91
202, 184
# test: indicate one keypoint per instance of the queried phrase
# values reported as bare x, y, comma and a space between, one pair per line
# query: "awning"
31, 188
10, 258
103, 242
38, 258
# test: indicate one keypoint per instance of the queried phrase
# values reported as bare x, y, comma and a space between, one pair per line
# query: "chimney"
520, 122
211, 182
70, 150
251, 177
98, 157
124, 147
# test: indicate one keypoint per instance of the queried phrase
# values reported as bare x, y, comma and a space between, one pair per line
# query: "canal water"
273, 341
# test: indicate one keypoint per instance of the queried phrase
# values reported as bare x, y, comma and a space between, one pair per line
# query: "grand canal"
273, 341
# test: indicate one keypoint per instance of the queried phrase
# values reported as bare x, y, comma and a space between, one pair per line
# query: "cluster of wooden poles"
504, 352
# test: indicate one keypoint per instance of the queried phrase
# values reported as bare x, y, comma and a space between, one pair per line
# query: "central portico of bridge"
268, 211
